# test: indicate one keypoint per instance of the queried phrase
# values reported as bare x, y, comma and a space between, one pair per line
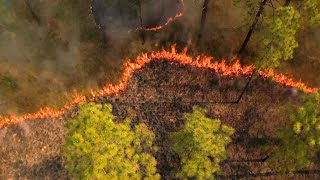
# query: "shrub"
98, 148
279, 37
300, 140
201, 144
7, 83
313, 10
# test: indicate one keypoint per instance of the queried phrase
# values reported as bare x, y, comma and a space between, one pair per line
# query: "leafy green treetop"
201, 144
278, 41
98, 148
313, 9
300, 141
6, 17
7, 20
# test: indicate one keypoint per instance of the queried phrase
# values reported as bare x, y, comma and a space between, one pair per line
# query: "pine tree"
6, 17
201, 144
279, 37
250, 5
203, 20
277, 33
98, 148
300, 140
312, 7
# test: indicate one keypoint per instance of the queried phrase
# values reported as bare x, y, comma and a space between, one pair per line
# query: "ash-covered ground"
158, 95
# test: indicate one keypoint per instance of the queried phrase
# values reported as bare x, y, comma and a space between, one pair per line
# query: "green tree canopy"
312, 7
6, 16
201, 144
300, 140
98, 148
277, 31
279, 37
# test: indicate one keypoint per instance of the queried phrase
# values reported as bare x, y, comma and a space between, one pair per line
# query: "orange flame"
287, 81
201, 62
169, 20
43, 113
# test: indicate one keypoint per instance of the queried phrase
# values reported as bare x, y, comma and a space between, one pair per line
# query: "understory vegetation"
300, 140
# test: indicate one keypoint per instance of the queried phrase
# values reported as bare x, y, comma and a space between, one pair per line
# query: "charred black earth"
158, 95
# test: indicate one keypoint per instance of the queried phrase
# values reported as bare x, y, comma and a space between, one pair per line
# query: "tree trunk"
252, 27
120, 10
163, 10
203, 20
142, 35
287, 3
140, 14
34, 14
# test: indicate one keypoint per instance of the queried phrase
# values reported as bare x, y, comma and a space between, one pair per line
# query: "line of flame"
169, 20
173, 56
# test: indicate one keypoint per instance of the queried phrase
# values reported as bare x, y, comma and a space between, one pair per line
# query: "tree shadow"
49, 168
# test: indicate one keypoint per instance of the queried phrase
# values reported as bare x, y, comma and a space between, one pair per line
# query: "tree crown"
201, 143
97, 147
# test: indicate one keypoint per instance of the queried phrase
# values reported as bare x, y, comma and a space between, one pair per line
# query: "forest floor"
158, 95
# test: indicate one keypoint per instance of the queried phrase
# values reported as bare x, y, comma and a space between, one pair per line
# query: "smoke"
52, 48
25, 129
125, 15
156, 13
306, 62
38, 50
49, 49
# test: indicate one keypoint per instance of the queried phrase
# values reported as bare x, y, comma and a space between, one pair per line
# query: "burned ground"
158, 95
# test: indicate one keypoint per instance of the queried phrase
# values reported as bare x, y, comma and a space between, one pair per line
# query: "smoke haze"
50, 49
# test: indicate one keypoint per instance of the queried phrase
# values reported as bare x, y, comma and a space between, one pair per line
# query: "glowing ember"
201, 62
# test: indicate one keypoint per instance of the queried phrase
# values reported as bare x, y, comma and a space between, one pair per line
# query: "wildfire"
169, 20
201, 62
43, 113
161, 26
287, 81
